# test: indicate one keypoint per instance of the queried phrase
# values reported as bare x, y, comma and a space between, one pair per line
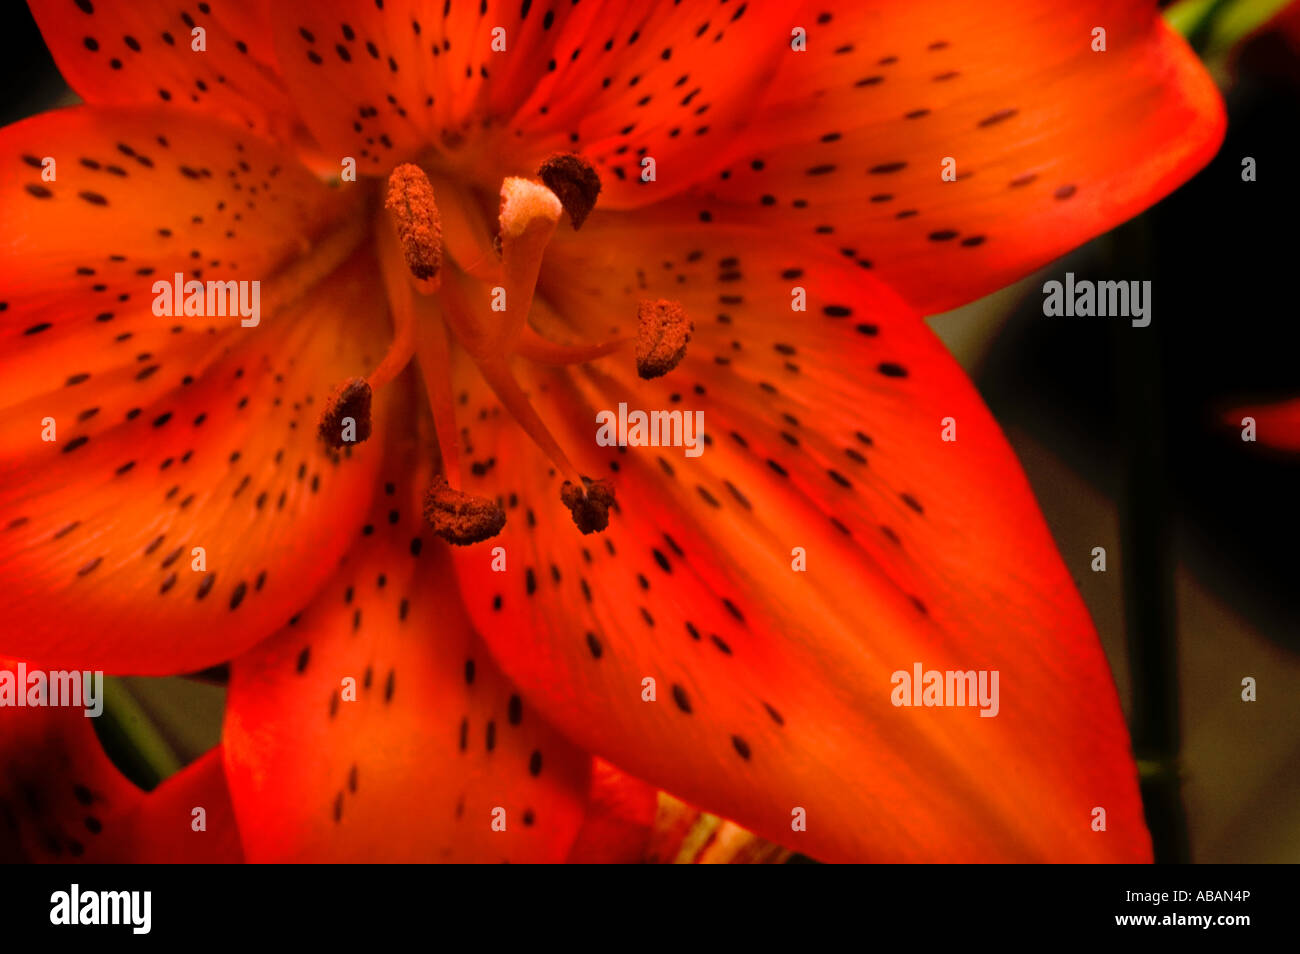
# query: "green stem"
1146, 529
132, 739
1199, 33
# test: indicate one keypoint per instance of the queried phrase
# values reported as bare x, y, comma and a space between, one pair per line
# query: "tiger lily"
433, 630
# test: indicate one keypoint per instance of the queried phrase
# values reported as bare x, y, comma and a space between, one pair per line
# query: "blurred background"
1121, 431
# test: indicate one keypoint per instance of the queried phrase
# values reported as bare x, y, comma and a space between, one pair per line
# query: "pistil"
529, 214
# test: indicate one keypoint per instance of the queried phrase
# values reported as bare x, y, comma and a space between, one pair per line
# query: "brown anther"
346, 418
410, 200
663, 329
461, 518
574, 182
589, 504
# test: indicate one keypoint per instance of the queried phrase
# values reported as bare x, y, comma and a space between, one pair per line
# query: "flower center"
432, 312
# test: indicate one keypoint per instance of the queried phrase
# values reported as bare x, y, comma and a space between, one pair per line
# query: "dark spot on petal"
1000, 116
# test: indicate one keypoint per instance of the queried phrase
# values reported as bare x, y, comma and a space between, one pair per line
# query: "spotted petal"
182, 58
491, 91
1045, 141
697, 652
375, 726
128, 439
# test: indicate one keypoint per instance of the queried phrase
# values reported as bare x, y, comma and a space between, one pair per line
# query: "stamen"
589, 502
534, 347
351, 399
420, 331
461, 518
401, 302
399, 352
529, 213
500, 379
573, 179
415, 215
663, 329
435, 369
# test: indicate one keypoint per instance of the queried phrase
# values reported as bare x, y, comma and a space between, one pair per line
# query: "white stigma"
524, 202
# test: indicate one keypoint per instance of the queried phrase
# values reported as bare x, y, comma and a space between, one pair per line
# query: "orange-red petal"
823, 431
380, 84
100, 565
124, 52
437, 745
1051, 142
137, 196
169, 433
166, 828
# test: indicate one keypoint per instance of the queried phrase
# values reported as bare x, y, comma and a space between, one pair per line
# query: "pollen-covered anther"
346, 418
663, 329
589, 504
574, 182
415, 216
461, 518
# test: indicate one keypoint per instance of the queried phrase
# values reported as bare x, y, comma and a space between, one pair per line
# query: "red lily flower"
393, 697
